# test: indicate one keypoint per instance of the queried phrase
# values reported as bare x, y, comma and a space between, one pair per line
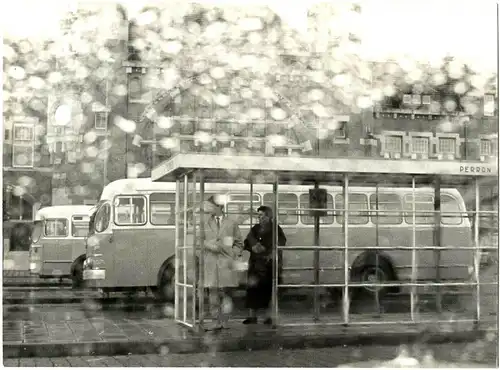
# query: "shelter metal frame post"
275, 251
437, 240
251, 201
316, 261
177, 245
195, 267
201, 257
413, 296
377, 251
184, 255
345, 229
477, 252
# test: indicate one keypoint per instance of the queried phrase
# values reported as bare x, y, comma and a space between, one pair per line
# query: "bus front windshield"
91, 229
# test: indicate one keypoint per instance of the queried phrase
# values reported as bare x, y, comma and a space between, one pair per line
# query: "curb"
79, 300
36, 284
199, 344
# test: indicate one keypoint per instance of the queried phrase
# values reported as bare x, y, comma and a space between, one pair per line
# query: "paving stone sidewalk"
77, 334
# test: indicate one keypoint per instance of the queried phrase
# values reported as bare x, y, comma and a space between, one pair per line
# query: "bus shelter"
192, 172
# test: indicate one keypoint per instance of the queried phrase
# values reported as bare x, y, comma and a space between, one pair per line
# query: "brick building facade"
47, 164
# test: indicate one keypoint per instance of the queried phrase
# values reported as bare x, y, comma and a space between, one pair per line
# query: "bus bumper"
94, 274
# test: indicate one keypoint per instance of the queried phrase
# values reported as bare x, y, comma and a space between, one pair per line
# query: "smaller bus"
58, 242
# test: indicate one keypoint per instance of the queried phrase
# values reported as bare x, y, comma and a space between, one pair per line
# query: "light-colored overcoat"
221, 251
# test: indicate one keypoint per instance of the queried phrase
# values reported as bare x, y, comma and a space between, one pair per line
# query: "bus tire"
166, 283
77, 281
370, 272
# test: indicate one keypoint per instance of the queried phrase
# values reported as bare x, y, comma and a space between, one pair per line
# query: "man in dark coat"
259, 243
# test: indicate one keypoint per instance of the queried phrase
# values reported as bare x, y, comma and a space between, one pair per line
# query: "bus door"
129, 240
79, 231
56, 255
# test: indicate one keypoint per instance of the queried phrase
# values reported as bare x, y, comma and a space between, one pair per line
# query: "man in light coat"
223, 244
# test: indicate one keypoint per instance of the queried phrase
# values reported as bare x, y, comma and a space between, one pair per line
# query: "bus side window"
386, 203
238, 207
450, 204
358, 207
285, 200
306, 219
130, 210
423, 203
162, 208
56, 227
79, 226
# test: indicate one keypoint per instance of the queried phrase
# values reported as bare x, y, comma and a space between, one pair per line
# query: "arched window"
20, 208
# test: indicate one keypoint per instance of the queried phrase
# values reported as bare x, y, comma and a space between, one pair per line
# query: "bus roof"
146, 185
132, 186
66, 211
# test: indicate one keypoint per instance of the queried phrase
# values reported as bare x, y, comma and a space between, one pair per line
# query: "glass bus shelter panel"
185, 266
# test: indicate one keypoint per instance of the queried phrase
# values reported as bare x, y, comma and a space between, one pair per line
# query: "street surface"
464, 354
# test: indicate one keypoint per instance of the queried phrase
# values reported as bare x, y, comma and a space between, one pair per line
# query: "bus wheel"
373, 274
166, 287
77, 281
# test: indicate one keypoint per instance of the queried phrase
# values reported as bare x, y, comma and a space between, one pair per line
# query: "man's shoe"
250, 320
214, 327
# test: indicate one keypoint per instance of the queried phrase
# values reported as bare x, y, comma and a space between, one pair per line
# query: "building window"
489, 105
393, 144
23, 145
485, 147
6, 135
58, 131
426, 100
406, 99
341, 132
135, 88
101, 120
447, 145
420, 145
20, 209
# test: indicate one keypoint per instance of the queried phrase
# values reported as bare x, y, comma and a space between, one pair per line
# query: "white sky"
420, 28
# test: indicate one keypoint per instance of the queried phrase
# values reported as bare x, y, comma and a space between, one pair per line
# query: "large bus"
131, 242
58, 242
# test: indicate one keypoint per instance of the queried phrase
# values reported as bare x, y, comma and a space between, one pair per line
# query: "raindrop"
62, 115
439, 78
16, 72
460, 88
120, 90
278, 114
222, 99
25, 181
164, 350
172, 47
36, 82
86, 98
18, 191
125, 124
217, 73
90, 137
364, 102
450, 105
92, 152
55, 77
88, 167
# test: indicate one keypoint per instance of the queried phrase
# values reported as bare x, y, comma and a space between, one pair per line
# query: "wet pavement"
142, 325
444, 355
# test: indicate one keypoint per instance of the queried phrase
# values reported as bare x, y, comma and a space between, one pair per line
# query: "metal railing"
347, 285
